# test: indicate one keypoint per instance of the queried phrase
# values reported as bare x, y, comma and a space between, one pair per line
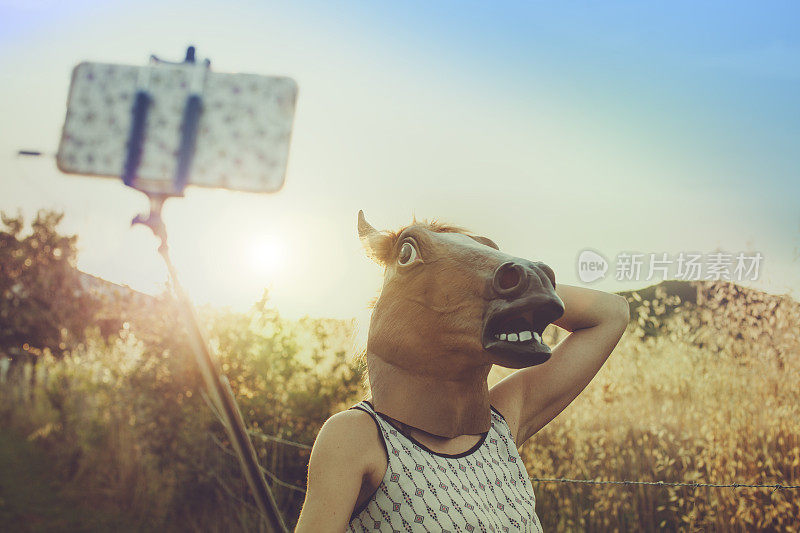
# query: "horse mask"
452, 305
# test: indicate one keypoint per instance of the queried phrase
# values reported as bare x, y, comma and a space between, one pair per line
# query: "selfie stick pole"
218, 387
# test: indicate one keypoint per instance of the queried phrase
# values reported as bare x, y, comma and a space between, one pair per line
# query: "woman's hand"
588, 308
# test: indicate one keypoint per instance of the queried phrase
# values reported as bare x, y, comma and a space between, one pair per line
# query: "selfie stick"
217, 385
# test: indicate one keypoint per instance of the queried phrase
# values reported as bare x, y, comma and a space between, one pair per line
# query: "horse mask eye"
407, 254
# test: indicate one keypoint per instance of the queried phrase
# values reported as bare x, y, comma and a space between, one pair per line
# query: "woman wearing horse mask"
435, 449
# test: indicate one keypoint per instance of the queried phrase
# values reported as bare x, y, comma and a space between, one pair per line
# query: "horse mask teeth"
448, 310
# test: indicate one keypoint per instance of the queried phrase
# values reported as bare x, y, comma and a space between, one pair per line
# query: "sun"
266, 254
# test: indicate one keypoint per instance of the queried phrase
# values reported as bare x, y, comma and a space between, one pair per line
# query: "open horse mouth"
512, 331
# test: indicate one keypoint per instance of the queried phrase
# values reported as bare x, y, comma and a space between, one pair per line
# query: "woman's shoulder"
350, 435
343, 470
348, 424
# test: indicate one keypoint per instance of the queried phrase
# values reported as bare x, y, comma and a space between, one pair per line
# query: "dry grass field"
712, 397
702, 392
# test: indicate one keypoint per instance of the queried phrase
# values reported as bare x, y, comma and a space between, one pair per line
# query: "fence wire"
273, 438
278, 481
694, 485
665, 483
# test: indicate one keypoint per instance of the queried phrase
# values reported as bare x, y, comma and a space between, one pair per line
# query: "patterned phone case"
242, 139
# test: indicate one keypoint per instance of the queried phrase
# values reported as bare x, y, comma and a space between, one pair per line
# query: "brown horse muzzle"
523, 302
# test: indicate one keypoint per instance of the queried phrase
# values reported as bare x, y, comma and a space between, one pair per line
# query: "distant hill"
685, 290
118, 303
721, 315
102, 286
700, 292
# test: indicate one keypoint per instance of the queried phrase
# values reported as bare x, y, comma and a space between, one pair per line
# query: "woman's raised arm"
532, 397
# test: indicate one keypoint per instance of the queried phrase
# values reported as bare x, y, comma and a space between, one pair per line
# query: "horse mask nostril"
509, 279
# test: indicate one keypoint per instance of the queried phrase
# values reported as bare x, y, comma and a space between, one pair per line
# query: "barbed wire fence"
665, 483
694, 485
292, 494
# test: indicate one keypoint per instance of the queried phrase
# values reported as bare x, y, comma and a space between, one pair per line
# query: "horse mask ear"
377, 245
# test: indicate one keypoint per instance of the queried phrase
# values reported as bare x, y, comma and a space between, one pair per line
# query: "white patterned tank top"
485, 489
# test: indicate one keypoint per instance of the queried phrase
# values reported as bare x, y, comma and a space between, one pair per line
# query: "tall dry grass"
126, 427
693, 393
711, 398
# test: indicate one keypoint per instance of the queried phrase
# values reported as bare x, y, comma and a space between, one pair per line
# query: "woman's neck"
441, 407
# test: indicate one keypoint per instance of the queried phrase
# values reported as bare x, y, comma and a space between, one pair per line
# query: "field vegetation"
105, 425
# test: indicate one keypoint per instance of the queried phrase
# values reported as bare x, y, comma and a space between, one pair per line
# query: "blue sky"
549, 127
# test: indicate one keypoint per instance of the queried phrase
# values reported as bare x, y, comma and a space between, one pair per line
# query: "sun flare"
266, 254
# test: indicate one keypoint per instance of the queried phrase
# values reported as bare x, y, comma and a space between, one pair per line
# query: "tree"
43, 304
